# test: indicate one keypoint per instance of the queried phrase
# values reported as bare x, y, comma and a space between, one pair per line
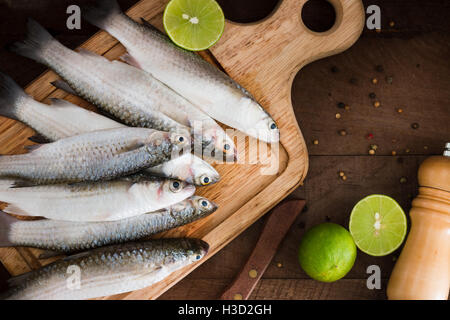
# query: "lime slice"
378, 225
194, 24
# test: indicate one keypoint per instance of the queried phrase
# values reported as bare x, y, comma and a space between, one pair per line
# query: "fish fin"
18, 280
76, 256
33, 147
128, 58
10, 92
152, 27
22, 184
6, 221
15, 209
39, 138
61, 84
33, 46
109, 115
50, 254
101, 12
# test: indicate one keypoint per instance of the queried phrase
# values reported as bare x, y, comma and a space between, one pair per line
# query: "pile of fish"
102, 185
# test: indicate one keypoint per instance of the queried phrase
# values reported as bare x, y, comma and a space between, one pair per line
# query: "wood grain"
277, 225
281, 289
244, 194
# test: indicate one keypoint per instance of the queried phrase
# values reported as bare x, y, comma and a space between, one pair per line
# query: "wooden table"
414, 52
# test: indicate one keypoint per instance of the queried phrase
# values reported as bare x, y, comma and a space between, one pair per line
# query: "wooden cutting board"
264, 57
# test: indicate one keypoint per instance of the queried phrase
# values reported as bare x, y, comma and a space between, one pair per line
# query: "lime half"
378, 225
194, 24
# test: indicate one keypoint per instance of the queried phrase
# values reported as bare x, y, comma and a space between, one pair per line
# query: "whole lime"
327, 252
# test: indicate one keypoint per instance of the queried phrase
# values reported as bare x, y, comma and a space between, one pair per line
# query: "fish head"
181, 139
256, 122
215, 143
174, 191
198, 249
266, 128
192, 209
202, 172
203, 207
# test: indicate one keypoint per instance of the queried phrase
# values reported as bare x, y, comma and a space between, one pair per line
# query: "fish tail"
102, 13
10, 94
6, 221
35, 45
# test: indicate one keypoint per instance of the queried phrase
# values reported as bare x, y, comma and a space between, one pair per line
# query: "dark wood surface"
414, 52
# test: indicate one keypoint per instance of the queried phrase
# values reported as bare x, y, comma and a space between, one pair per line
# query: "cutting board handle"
266, 55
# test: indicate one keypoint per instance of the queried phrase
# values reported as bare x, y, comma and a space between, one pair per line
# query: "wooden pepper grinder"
422, 270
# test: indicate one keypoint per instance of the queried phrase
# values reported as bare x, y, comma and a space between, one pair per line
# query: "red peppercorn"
369, 136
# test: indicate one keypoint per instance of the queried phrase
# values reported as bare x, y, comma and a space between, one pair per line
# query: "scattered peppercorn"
344, 178
374, 80
407, 150
316, 142
376, 104
369, 136
341, 105
279, 264
372, 95
391, 24
343, 132
334, 69
374, 146
371, 152
389, 79
341, 174
399, 110
338, 115
353, 80
415, 125
425, 147
347, 108
394, 153
403, 180
379, 68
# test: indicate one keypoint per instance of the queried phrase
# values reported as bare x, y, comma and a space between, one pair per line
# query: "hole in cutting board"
247, 11
318, 15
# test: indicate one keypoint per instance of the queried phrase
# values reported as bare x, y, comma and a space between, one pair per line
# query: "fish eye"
205, 180
204, 203
175, 186
180, 139
273, 126
198, 257
226, 146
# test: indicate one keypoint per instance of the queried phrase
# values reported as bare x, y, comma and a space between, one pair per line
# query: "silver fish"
99, 201
63, 236
130, 94
107, 270
211, 90
63, 119
93, 156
